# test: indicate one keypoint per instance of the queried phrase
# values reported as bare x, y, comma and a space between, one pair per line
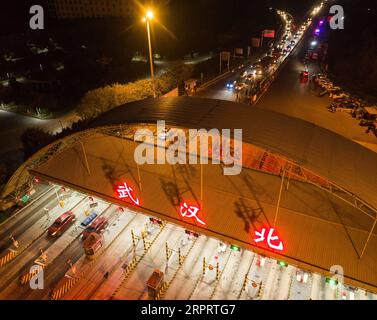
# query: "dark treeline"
194, 25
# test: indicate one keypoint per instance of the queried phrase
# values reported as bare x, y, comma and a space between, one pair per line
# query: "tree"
34, 139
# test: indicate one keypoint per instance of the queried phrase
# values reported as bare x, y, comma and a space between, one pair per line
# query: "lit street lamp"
148, 17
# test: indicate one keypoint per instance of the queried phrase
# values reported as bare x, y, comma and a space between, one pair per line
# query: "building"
317, 186
75, 9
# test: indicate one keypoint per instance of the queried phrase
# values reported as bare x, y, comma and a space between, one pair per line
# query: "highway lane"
22, 220
29, 229
19, 225
231, 281
95, 285
51, 275
219, 90
288, 96
58, 268
136, 287
189, 277
39, 240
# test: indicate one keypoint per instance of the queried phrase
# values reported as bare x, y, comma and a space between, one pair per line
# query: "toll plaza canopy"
318, 232
330, 155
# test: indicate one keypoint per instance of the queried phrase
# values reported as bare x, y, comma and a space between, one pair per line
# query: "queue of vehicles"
92, 235
256, 74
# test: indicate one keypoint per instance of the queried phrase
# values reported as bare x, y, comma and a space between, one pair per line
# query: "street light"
149, 17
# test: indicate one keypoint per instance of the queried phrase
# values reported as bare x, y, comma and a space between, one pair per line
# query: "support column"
201, 185
289, 177
85, 158
138, 170
370, 234
279, 198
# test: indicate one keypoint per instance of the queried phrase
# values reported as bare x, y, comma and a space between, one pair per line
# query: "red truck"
92, 244
155, 283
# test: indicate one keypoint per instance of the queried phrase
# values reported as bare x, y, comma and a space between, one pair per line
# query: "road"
209, 269
266, 279
219, 90
288, 96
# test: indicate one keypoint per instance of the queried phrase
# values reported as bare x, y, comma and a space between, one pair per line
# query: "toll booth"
155, 283
92, 244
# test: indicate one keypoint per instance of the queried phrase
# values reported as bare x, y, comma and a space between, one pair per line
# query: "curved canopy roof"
318, 231
333, 157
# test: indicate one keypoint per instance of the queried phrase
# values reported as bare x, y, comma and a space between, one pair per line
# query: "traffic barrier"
8, 257
162, 291
58, 293
130, 266
61, 290
25, 278
261, 290
134, 262
181, 261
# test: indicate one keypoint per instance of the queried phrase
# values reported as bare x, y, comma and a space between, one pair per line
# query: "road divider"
8, 257
25, 278
56, 294
127, 273
68, 283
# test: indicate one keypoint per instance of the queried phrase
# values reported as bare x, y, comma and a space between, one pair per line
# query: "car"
243, 74
98, 226
230, 85
88, 220
249, 77
239, 86
348, 105
61, 224
289, 48
366, 122
257, 71
304, 76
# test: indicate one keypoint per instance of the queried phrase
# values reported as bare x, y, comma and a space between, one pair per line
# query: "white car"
302, 276
221, 248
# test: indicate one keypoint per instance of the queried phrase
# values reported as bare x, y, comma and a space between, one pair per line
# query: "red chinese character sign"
272, 240
125, 191
190, 212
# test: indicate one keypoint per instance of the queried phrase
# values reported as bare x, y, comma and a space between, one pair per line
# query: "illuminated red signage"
190, 212
272, 240
125, 191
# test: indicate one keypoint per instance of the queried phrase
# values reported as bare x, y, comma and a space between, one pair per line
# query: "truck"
92, 244
154, 283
